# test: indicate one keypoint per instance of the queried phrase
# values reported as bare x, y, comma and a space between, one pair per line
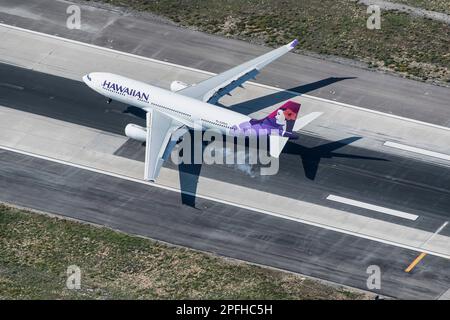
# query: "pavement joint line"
372, 207
435, 233
230, 203
423, 254
212, 74
417, 150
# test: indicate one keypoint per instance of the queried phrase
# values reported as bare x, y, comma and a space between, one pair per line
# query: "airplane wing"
214, 88
163, 133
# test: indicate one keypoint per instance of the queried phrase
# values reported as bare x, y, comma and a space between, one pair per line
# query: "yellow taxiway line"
415, 262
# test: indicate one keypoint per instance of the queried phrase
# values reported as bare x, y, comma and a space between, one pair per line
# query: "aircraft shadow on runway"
250, 106
253, 105
189, 173
138, 112
311, 156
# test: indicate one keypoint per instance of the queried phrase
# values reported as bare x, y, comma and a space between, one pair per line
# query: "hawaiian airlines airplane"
172, 113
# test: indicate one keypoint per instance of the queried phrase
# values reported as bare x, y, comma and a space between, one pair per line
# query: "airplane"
170, 114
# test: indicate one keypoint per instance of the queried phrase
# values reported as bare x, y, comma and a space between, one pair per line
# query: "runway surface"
146, 36
400, 183
308, 168
217, 228
354, 165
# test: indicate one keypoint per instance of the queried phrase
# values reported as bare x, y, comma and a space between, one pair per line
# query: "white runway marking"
274, 214
445, 295
372, 207
9, 85
417, 150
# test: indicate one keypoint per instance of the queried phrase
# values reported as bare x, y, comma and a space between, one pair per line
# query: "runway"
217, 228
156, 38
355, 165
398, 182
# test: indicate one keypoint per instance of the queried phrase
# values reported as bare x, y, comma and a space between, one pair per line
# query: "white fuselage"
186, 110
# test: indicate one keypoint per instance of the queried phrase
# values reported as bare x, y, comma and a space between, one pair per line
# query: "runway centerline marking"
373, 207
230, 203
346, 105
423, 254
417, 150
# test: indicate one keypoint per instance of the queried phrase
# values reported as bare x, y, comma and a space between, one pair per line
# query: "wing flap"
230, 86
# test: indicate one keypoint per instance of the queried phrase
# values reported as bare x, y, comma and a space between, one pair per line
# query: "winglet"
293, 43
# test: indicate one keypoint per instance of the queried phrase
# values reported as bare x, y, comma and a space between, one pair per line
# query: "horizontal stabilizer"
305, 120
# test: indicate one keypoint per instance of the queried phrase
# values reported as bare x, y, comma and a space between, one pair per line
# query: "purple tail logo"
284, 117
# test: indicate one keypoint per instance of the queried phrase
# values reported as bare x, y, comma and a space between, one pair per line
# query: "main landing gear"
108, 101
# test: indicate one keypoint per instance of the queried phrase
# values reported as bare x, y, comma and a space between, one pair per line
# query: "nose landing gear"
108, 101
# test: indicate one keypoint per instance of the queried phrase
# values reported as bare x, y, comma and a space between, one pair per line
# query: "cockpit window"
89, 77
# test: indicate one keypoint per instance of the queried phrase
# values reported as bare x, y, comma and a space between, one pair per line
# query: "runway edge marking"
212, 74
372, 207
425, 152
259, 210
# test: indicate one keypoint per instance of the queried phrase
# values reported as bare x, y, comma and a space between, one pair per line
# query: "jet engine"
177, 86
136, 132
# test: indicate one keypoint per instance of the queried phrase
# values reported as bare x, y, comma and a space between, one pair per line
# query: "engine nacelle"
177, 86
136, 132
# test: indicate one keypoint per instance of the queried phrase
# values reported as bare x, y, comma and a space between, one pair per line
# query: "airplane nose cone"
87, 79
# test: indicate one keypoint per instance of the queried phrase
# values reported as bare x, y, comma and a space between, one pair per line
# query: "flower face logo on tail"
286, 115
282, 119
